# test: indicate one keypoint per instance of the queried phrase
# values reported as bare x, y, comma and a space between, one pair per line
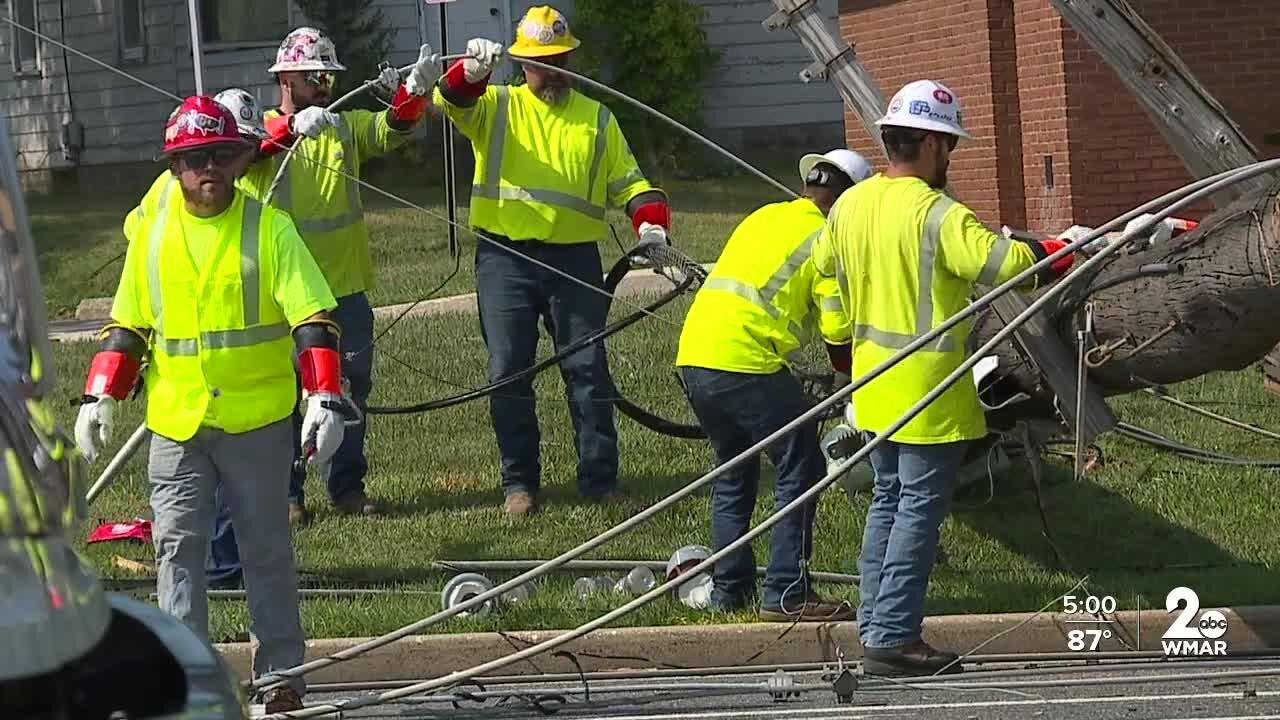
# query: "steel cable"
1187, 195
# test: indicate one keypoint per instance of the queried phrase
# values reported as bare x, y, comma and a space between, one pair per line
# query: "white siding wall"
756, 84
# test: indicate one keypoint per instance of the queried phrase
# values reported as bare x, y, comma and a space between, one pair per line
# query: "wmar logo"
1190, 636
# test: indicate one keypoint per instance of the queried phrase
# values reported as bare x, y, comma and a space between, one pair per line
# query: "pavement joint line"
423, 656
95, 310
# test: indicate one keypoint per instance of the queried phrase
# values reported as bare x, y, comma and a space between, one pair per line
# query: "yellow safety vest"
325, 206
906, 258
545, 172
758, 305
221, 345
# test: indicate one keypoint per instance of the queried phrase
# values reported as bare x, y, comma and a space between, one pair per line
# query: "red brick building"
1032, 89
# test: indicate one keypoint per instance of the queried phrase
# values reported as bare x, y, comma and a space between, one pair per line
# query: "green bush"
656, 52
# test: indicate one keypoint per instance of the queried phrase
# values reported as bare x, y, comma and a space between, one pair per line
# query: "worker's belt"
529, 242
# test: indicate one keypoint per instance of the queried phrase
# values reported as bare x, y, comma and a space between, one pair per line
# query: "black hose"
1143, 435
663, 256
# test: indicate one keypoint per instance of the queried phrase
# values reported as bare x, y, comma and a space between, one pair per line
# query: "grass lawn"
1142, 523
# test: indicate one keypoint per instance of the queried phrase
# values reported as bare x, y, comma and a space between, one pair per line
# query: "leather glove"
94, 426
484, 55
322, 426
1158, 233
418, 82
389, 79
312, 121
1061, 265
651, 233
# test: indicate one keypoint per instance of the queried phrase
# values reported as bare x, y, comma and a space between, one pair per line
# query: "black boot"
914, 659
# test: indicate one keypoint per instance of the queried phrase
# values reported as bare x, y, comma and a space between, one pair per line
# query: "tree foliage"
656, 52
362, 36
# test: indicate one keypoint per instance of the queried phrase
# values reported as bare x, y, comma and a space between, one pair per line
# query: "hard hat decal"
195, 121
919, 107
541, 31
942, 96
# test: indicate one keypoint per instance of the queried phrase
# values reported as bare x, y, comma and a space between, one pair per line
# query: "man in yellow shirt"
906, 258
548, 162
216, 292
329, 214
750, 317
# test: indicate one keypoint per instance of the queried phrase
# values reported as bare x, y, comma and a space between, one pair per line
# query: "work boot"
298, 514
357, 503
520, 504
813, 609
916, 658
281, 699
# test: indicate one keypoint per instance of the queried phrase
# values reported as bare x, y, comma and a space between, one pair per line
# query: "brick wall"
1032, 88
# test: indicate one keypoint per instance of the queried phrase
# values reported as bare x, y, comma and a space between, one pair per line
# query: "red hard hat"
200, 121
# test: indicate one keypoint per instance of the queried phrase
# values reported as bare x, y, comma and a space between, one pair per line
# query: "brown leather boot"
357, 503
298, 514
913, 659
814, 609
281, 699
520, 504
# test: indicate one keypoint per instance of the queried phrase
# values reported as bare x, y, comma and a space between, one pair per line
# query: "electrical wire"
1189, 191
1186, 195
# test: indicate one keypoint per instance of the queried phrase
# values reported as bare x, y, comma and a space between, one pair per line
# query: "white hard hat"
306, 48
926, 105
246, 110
853, 164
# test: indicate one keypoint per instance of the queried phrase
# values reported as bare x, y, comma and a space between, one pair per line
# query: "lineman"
548, 161
753, 312
906, 257
329, 214
216, 289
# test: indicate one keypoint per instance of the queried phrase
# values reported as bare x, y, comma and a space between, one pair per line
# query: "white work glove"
1161, 232
484, 55
313, 120
651, 233
420, 77
94, 426
322, 427
389, 79
1075, 232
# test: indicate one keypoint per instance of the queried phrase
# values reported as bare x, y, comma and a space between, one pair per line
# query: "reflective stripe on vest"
355, 212
929, 242
493, 189
251, 286
763, 299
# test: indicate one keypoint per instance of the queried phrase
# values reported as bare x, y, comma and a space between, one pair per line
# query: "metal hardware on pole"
197, 55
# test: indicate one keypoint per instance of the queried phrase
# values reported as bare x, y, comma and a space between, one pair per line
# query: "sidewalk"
92, 313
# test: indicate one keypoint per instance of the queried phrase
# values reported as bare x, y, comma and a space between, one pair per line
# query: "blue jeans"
738, 410
512, 294
910, 499
348, 466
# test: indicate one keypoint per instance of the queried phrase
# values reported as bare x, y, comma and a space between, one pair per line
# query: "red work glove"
1063, 264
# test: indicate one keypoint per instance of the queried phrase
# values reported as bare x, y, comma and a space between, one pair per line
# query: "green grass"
1141, 524
80, 241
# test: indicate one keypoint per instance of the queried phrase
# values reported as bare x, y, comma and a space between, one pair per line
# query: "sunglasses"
201, 159
320, 78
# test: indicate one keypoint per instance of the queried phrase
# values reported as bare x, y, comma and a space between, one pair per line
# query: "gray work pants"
254, 470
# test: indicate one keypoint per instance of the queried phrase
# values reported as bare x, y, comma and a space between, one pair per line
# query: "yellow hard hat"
543, 31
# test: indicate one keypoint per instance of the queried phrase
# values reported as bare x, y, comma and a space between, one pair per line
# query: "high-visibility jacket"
219, 297
906, 258
545, 172
326, 207
760, 303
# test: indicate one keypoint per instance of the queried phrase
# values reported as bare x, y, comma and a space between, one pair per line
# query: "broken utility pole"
835, 60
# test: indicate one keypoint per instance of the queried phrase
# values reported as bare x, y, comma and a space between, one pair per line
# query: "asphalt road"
1134, 691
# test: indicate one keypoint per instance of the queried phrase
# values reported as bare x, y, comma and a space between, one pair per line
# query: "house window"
26, 48
131, 24
240, 22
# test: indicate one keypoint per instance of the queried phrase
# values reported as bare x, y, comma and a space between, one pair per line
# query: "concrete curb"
92, 312
424, 656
